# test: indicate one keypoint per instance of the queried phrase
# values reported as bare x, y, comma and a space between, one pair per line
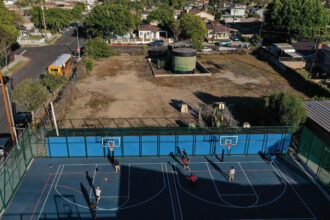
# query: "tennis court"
157, 188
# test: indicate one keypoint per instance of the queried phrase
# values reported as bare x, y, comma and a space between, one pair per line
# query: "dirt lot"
123, 87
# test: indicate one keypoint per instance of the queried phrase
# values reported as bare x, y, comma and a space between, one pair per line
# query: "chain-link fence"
13, 168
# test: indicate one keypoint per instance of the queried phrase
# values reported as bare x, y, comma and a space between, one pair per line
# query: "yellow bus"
61, 65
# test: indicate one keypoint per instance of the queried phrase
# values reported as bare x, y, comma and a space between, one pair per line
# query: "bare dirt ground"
123, 87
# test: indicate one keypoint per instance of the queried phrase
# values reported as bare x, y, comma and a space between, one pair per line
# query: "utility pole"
7, 109
78, 48
12, 116
315, 57
44, 21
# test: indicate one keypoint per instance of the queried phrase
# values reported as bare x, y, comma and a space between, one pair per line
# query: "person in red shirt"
185, 163
193, 180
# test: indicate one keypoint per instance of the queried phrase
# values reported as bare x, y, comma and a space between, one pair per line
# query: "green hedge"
311, 88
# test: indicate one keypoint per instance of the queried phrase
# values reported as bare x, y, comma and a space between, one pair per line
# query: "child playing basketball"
193, 180
185, 163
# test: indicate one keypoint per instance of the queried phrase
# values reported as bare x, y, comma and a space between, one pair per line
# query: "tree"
175, 29
300, 19
210, 10
31, 94
164, 15
218, 16
192, 27
9, 23
286, 108
97, 48
53, 81
109, 20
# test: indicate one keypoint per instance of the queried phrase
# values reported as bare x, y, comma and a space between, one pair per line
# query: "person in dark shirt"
184, 153
117, 166
193, 180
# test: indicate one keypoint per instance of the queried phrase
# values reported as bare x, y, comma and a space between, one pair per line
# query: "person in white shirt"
98, 194
231, 174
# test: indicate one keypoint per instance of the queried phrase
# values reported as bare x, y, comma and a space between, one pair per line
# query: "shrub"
89, 64
286, 108
97, 48
53, 81
244, 39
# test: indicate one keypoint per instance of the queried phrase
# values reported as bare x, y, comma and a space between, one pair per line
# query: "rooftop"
60, 61
319, 112
148, 27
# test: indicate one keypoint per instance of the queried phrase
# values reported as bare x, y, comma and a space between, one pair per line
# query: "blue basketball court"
157, 188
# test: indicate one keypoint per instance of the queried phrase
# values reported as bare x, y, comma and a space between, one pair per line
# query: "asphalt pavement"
41, 57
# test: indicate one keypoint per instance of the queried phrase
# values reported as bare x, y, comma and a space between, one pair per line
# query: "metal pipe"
6, 106
12, 117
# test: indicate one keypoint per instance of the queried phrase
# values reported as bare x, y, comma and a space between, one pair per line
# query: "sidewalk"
14, 66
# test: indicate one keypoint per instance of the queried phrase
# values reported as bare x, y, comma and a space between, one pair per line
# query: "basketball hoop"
228, 146
111, 147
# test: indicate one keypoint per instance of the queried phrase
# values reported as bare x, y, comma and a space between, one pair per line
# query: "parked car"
234, 38
206, 49
5, 80
157, 43
223, 43
22, 119
5, 144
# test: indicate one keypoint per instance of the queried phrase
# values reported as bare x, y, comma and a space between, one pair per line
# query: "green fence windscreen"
315, 153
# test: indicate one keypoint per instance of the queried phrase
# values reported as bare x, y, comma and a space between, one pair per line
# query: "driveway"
41, 58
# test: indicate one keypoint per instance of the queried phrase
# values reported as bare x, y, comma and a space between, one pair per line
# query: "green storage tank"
184, 60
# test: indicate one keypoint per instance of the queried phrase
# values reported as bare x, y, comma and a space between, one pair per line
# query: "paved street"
41, 58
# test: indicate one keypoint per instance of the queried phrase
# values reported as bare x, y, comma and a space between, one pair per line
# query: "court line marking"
220, 195
169, 186
257, 161
43, 206
90, 191
222, 205
238, 194
82, 206
177, 196
109, 197
154, 196
123, 205
257, 197
40, 197
298, 195
102, 164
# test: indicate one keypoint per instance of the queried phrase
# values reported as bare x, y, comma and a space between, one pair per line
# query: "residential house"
221, 32
234, 13
203, 14
145, 14
151, 32
247, 28
176, 14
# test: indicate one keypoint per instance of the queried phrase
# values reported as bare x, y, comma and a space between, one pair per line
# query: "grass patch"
54, 39
13, 68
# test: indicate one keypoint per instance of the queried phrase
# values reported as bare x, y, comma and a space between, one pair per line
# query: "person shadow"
90, 182
111, 157
175, 159
91, 204
217, 168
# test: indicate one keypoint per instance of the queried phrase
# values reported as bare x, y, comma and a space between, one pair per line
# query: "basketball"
105, 179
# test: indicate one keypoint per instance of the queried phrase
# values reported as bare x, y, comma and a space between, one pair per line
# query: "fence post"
2, 200
23, 147
67, 142
265, 147
85, 140
140, 143
283, 142
194, 143
48, 144
248, 144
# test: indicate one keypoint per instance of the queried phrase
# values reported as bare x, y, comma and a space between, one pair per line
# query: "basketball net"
111, 147
228, 146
